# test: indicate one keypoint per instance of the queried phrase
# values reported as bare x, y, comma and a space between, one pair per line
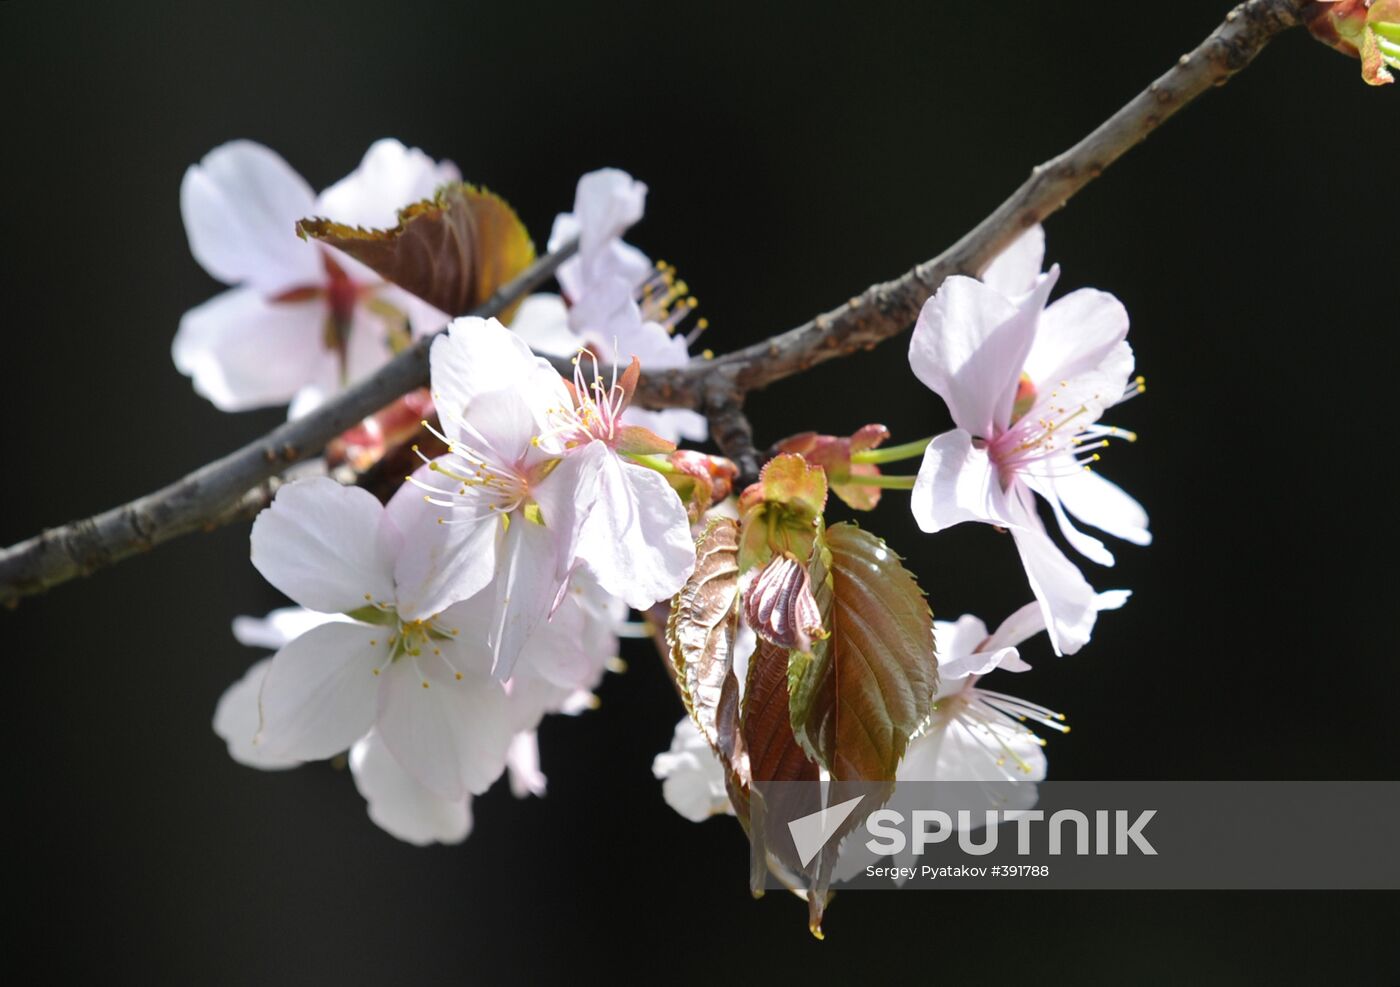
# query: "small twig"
212, 494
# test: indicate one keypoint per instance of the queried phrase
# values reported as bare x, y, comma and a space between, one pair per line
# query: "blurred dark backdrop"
795, 154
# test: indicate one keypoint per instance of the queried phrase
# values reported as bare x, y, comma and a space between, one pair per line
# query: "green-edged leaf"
861, 692
452, 250
704, 625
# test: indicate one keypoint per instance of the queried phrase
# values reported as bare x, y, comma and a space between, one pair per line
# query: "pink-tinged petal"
1077, 334
527, 583
957, 482
244, 352
636, 535
319, 694
543, 322
1067, 601
452, 736
449, 553
571, 650
475, 357
959, 638
523, 766
1015, 269
1102, 503
1086, 545
389, 177
241, 204
969, 346
606, 203
236, 721
399, 805
326, 546
1018, 628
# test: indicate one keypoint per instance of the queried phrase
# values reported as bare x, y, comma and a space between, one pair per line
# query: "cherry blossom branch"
237, 485
233, 486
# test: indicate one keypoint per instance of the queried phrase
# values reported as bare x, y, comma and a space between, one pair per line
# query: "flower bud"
780, 607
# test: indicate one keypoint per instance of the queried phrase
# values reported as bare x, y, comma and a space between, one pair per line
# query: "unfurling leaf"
780, 606
861, 692
452, 250
782, 512
702, 629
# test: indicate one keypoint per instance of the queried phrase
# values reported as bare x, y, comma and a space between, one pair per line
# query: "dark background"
795, 155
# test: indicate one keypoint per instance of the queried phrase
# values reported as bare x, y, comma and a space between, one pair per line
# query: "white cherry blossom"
691, 775
1026, 384
301, 320
619, 305
536, 484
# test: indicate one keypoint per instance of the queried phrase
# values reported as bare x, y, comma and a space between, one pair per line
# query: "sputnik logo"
810, 833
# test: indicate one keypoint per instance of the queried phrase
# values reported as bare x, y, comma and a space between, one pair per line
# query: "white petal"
635, 537
606, 203
692, 778
1077, 334
957, 482
476, 356
543, 322
279, 626
236, 720
572, 648
389, 177
969, 347
1066, 598
1102, 503
449, 553
453, 735
241, 204
523, 766
1086, 545
244, 352
319, 694
1016, 268
1018, 628
327, 546
957, 639
399, 805
527, 583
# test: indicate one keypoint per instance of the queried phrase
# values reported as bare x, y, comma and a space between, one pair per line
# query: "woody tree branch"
229, 488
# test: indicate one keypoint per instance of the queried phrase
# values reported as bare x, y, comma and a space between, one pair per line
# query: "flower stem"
884, 480
659, 463
892, 454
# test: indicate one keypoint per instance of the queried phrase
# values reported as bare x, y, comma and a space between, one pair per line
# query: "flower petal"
452, 735
957, 482
388, 178
279, 626
399, 805
449, 553
1104, 504
543, 322
236, 720
318, 696
327, 546
527, 584
635, 537
523, 766
1077, 334
244, 352
692, 778
1016, 268
241, 204
1067, 601
969, 347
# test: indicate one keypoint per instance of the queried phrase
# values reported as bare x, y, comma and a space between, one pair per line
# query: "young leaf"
704, 624
860, 693
452, 250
